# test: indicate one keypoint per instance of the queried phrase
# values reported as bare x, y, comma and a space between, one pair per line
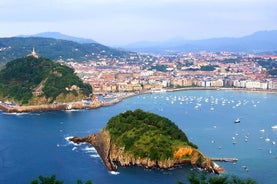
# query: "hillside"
16, 47
134, 130
34, 81
145, 139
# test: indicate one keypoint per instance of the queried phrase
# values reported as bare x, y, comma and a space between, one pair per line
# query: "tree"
47, 180
203, 178
52, 180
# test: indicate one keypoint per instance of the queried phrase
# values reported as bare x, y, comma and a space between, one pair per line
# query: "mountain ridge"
261, 41
59, 36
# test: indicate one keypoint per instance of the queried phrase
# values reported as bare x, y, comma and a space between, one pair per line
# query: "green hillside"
146, 135
16, 47
31, 80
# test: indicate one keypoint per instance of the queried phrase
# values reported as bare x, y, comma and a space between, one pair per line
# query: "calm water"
34, 144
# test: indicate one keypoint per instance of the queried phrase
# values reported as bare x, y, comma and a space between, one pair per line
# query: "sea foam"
70, 142
89, 149
114, 172
95, 156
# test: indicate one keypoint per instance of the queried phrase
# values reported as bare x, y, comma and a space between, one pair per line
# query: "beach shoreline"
14, 108
7, 108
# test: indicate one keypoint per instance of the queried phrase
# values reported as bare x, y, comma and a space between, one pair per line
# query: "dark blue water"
34, 144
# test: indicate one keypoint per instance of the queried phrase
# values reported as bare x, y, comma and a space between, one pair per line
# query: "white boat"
158, 90
237, 121
274, 127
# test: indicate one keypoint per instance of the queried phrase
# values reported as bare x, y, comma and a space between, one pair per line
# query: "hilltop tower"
33, 54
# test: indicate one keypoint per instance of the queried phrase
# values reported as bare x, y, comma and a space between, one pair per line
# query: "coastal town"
118, 78
145, 72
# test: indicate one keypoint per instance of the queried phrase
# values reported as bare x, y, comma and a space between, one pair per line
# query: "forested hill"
31, 80
16, 47
145, 139
136, 129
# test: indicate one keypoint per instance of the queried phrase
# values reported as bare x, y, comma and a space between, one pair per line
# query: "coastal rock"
113, 155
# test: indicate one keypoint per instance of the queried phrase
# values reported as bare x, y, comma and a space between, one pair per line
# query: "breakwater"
225, 159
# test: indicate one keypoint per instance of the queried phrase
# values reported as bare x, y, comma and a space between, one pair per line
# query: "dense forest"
24, 78
135, 129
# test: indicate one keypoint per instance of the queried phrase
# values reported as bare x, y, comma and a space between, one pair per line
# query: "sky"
120, 22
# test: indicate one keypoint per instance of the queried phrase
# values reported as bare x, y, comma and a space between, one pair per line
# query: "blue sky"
114, 22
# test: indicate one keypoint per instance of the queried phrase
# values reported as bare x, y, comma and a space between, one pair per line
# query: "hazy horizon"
121, 22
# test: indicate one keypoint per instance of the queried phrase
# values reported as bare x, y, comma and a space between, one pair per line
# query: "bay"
36, 143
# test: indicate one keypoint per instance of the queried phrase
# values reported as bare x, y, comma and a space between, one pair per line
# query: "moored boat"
237, 121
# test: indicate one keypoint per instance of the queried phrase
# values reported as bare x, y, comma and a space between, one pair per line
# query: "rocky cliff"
138, 138
113, 155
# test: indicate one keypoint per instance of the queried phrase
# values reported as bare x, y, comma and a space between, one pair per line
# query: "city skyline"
121, 22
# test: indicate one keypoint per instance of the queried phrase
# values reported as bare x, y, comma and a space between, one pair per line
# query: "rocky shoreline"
113, 156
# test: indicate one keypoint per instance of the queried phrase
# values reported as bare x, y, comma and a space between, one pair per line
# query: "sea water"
36, 144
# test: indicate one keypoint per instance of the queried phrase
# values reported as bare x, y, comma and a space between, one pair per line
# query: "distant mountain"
263, 41
60, 36
16, 47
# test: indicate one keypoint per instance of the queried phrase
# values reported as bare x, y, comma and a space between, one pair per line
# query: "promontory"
139, 138
39, 83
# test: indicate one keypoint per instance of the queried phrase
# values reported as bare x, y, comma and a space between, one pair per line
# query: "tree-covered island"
145, 139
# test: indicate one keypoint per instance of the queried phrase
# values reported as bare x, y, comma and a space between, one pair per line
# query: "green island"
139, 138
133, 130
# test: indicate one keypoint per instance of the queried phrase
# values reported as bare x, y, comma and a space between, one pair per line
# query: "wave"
114, 172
95, 156
67, 138
70, 142
17, 114
73, 110
88, 149
91, 151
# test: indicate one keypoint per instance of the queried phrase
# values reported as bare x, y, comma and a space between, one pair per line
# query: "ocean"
34, 144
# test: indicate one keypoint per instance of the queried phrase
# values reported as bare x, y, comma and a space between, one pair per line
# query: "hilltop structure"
33, 54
